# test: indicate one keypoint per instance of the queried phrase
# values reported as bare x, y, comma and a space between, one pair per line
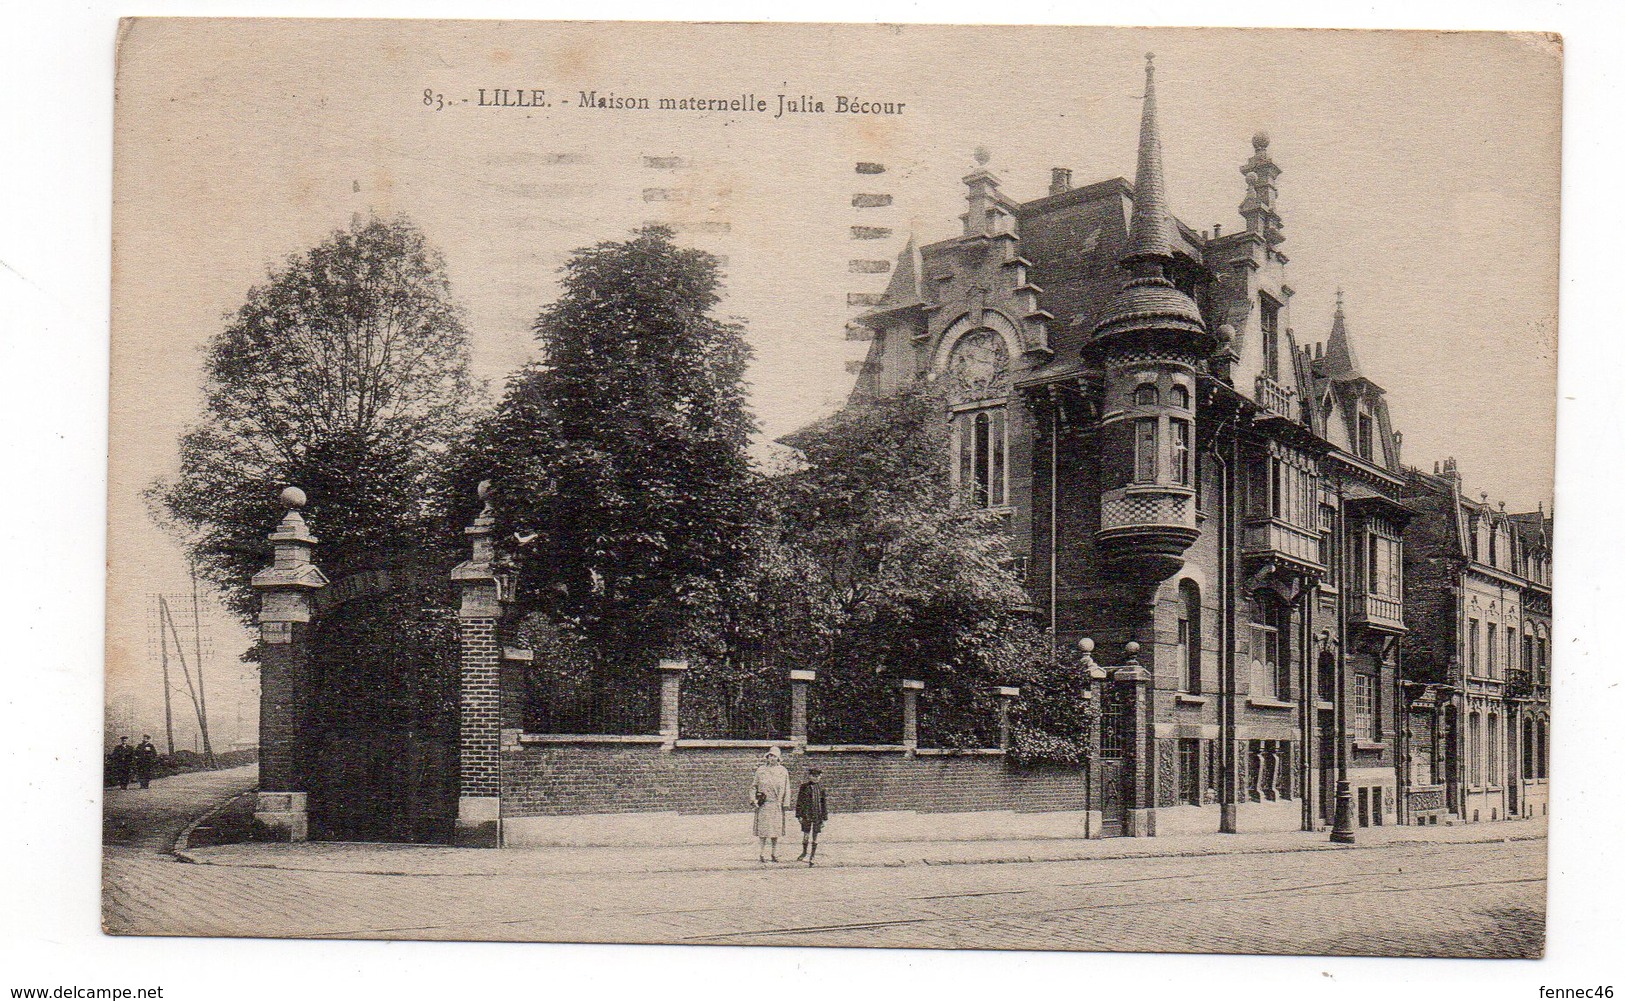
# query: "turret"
1149, 343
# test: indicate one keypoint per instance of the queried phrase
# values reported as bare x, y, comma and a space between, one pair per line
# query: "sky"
1420, 175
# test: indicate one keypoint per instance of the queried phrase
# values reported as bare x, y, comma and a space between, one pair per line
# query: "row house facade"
1480, 660
1182, 476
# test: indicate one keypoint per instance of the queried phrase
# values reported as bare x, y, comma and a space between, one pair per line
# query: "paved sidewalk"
435, 860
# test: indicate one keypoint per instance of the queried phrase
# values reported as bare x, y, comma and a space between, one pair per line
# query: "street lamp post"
1342, 817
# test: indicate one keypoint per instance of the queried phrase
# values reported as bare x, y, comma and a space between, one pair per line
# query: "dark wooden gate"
383, 746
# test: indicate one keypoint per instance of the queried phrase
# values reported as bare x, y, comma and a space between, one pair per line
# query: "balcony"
1274, 397
1520, 685
1376, 612
1279, 542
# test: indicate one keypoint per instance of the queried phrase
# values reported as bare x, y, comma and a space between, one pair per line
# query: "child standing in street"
812, 810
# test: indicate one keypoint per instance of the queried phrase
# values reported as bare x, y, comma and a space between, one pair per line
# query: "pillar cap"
911, 685
1007, 691
800, 675
667, 664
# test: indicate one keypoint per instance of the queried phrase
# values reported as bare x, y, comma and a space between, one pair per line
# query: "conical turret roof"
1149, 302
1340, 362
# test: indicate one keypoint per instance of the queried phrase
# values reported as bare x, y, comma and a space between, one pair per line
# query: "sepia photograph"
928, 487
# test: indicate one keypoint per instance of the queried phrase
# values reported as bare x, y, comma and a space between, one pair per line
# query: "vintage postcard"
848, 485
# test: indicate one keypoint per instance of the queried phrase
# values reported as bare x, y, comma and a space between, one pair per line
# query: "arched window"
1189, 637
981, 467
1145, 394
1540, 750
1179, 397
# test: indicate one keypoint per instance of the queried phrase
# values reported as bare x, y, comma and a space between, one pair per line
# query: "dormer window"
1364, 438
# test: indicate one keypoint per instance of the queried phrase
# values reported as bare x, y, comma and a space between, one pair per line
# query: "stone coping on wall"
704, 742
591, 738
856, 748
956, 751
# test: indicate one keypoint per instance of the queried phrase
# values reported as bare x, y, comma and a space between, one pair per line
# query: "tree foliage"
874, 573
624, 449
344, 373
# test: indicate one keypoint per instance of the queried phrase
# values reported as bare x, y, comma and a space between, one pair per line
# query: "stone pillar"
1006, 696
479, 743
287, 590
911, 714
671, 694
800, 681
1141, 815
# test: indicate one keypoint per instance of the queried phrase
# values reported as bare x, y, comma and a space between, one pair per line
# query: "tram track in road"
1031, 913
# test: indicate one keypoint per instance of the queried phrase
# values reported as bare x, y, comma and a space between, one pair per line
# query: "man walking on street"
146, 759
123, 761
812, 810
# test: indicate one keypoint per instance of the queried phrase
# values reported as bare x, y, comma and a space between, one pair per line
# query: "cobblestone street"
1472, 891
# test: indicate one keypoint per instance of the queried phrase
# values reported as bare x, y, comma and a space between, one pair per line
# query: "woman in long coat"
770, 796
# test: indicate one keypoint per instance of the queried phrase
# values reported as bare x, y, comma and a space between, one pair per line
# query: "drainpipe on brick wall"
1054, 449
1305, 705
1227, 643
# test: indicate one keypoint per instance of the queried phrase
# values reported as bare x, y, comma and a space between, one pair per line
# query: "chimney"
1218, 231
1060, 180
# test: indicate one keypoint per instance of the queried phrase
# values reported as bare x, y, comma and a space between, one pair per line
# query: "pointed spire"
1150, 304
1151, 230
1340, 362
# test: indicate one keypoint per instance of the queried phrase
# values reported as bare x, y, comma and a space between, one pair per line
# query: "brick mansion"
1287, 626
1180, 467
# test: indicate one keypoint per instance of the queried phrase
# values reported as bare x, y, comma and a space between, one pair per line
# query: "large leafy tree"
345, 373
877, 573
623, 450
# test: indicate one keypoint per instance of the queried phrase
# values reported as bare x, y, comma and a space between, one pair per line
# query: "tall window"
1541, 664
1365, 443
1179, 450
1328, 519
1472, 647
1272, 649
1145, 450
1512, 648
981, 456
1493, 739
1475, 749
1365, 706
1190, 637
1179, 397
1383, 567
1269, 318
1489, 651
1529, 656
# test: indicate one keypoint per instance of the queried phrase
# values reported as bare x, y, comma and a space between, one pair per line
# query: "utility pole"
163, 654
197, 647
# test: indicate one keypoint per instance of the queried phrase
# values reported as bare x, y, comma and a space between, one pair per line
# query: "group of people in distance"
770, 797
137, 762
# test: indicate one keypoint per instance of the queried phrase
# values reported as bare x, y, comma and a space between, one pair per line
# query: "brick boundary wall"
565, 779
